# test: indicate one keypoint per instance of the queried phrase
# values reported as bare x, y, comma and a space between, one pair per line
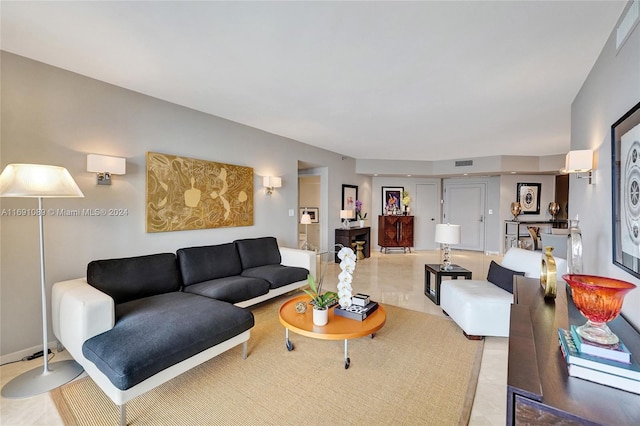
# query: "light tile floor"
394, 278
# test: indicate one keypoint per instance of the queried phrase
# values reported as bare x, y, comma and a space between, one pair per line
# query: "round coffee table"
338, 328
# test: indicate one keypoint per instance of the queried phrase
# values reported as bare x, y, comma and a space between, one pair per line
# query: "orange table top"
338, 328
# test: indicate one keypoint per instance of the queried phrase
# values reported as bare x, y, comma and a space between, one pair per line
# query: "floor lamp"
306, 221
447, 234
39, 181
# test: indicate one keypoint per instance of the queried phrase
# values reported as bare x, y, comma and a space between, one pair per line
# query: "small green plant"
320, 301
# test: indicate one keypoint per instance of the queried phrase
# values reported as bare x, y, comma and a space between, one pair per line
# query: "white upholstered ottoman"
481, 308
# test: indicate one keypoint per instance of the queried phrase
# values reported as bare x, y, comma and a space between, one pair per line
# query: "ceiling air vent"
628, 23
463, 163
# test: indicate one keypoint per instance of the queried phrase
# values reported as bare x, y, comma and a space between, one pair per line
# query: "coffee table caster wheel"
347, 363
289, 345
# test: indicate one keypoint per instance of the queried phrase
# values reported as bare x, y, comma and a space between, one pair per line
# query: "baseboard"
492, 253
17, 356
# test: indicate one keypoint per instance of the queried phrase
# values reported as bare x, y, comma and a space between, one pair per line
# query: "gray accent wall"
52, 116
611, 89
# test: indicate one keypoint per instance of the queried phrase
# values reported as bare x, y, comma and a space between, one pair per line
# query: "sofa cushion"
277, 275
137, 277
198, 264
157, 332
256, 252
501, 276
232, 289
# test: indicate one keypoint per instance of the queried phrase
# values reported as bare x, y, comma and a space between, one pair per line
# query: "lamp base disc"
36, 381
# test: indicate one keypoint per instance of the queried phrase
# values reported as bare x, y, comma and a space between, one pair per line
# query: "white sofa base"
481, 308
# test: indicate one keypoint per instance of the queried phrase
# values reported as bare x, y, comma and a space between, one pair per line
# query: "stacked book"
360, 309
611, 365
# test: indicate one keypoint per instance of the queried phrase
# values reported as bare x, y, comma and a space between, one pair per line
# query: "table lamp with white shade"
40, 181
447, 234
345, 215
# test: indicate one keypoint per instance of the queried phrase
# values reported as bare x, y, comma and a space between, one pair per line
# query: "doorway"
464, 205
427, 212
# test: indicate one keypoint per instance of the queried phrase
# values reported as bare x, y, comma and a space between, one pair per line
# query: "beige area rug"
419, 369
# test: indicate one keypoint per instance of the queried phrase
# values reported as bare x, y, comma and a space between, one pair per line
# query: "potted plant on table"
359, 215
321, 302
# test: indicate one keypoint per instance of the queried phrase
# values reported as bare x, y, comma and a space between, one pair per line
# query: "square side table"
432, 268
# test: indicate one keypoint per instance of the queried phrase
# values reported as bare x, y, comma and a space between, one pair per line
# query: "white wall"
52, 116
610, 90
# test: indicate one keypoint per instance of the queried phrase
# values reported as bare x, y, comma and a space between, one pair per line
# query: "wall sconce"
104, 166
580, 162
270, 183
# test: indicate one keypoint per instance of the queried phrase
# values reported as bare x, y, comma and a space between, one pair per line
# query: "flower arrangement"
405, 198
347, 265
359, 214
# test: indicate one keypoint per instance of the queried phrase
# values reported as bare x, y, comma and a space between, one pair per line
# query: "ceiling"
430, 80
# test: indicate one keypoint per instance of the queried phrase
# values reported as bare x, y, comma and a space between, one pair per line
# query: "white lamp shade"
346, 214
305, 219
37, 180
447, 234
272, 182
579, 161
104, 163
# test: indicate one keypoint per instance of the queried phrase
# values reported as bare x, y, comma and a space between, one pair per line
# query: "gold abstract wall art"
186, 193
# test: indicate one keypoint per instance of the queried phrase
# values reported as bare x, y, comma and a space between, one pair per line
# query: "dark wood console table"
351, 235
539, 390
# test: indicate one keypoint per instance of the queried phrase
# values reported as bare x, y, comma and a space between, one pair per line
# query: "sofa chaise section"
156, 332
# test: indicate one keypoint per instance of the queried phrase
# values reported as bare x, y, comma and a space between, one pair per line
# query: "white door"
464, 206
426, 214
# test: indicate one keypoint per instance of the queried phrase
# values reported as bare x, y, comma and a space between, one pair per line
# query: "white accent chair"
481, 308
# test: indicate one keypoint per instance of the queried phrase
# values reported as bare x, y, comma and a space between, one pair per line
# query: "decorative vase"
320, 316
574, 247
548, 274
516, 208
554, 209
361, 223
599, 300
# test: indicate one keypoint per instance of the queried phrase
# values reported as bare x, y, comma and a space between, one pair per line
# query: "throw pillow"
501, 276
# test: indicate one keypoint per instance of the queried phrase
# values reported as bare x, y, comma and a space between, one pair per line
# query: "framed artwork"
625, 194
528, 195
313, 212
349, 197
187, 193
391, 196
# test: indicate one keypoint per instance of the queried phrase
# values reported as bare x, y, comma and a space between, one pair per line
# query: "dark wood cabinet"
539, 389
395, 232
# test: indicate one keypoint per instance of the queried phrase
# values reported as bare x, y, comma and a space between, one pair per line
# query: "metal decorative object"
574, 248
548, 274
301, 307
516, 208
554, 209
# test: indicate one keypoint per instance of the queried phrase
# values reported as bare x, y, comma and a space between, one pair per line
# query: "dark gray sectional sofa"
134, 323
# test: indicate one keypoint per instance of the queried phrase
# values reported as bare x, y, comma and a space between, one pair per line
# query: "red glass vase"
599, 299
